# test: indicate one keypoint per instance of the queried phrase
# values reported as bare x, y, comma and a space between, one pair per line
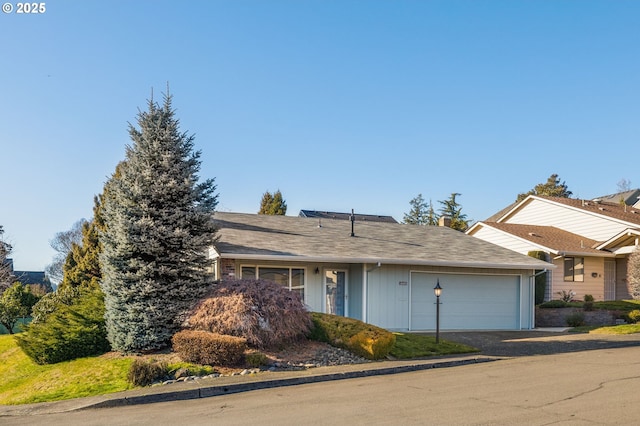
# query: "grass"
613, 329
24, 381
409, 345
611, 305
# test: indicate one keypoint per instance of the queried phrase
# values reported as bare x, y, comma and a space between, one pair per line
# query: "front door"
335, 292
609, 279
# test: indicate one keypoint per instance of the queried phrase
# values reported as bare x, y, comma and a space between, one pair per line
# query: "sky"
339, 104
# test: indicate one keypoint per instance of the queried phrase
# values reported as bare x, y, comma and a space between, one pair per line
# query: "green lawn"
24, 381
409, 345
613, 329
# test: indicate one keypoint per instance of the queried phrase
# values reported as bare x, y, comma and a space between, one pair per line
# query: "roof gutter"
583, 254
325, 259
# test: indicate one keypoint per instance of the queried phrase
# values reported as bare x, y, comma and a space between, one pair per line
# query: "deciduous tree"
62, 243
15, 303
158, 229
6, 270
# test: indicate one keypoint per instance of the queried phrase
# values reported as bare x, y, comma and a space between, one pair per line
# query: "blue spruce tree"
158, 226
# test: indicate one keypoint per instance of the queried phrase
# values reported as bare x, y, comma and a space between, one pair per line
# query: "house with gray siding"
384, 273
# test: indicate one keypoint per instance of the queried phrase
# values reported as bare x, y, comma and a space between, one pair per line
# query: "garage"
480, 302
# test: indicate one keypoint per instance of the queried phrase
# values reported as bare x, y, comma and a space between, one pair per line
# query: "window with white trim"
289, 277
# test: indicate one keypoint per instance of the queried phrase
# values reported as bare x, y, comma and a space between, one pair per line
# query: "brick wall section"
557, 317
228, 269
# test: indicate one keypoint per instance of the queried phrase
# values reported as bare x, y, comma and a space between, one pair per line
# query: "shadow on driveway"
533, 342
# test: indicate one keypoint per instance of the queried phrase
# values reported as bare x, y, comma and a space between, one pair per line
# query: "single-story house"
382, 273
588, 240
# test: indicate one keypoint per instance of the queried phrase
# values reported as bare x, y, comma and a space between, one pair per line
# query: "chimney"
444, 221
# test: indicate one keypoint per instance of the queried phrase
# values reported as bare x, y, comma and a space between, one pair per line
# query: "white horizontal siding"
505, 240
545, 213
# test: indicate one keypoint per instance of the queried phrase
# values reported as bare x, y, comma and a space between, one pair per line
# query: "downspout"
364, 292
532, 289
365, 288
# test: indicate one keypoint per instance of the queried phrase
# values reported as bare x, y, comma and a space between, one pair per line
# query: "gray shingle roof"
251, 236
346, 216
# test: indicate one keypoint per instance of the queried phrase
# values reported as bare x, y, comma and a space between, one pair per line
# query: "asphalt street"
573, 388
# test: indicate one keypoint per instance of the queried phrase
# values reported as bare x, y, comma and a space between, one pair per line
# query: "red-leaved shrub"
202, 347
263, 312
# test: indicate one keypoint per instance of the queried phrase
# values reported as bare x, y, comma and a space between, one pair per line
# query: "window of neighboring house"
574, 269
291, 278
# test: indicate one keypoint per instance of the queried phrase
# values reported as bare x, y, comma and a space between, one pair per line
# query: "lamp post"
438, 291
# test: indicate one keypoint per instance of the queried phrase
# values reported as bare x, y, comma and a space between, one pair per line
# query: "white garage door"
472, 302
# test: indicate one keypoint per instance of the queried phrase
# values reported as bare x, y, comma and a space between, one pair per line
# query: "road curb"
228, 389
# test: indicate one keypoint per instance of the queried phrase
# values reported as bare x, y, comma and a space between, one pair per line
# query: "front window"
291, 278
574, 269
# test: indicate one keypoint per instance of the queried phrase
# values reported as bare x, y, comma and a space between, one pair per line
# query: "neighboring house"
31, 278
630, 198
385, 273
588, 240
36, 278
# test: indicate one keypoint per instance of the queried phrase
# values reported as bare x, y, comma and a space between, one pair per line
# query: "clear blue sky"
340, 104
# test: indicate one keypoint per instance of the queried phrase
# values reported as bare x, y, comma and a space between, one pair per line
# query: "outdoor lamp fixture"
438, 291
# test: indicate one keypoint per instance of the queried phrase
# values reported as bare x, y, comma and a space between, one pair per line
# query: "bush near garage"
365, 340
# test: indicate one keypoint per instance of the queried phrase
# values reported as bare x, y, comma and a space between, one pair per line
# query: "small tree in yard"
158, 229
263, 312
633, 274
6, 272
15, 303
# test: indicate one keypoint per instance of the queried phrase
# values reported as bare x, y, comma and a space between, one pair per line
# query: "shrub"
256, 359
575, 319
566, 296
202, 347
263, 312
588, 302
365, 340
144, 372
69, 332
553, 304
632, 317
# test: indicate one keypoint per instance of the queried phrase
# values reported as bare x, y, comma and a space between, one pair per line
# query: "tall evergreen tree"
551, 188
273, 204
82, 265
158, 227
421, 213
453, 210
